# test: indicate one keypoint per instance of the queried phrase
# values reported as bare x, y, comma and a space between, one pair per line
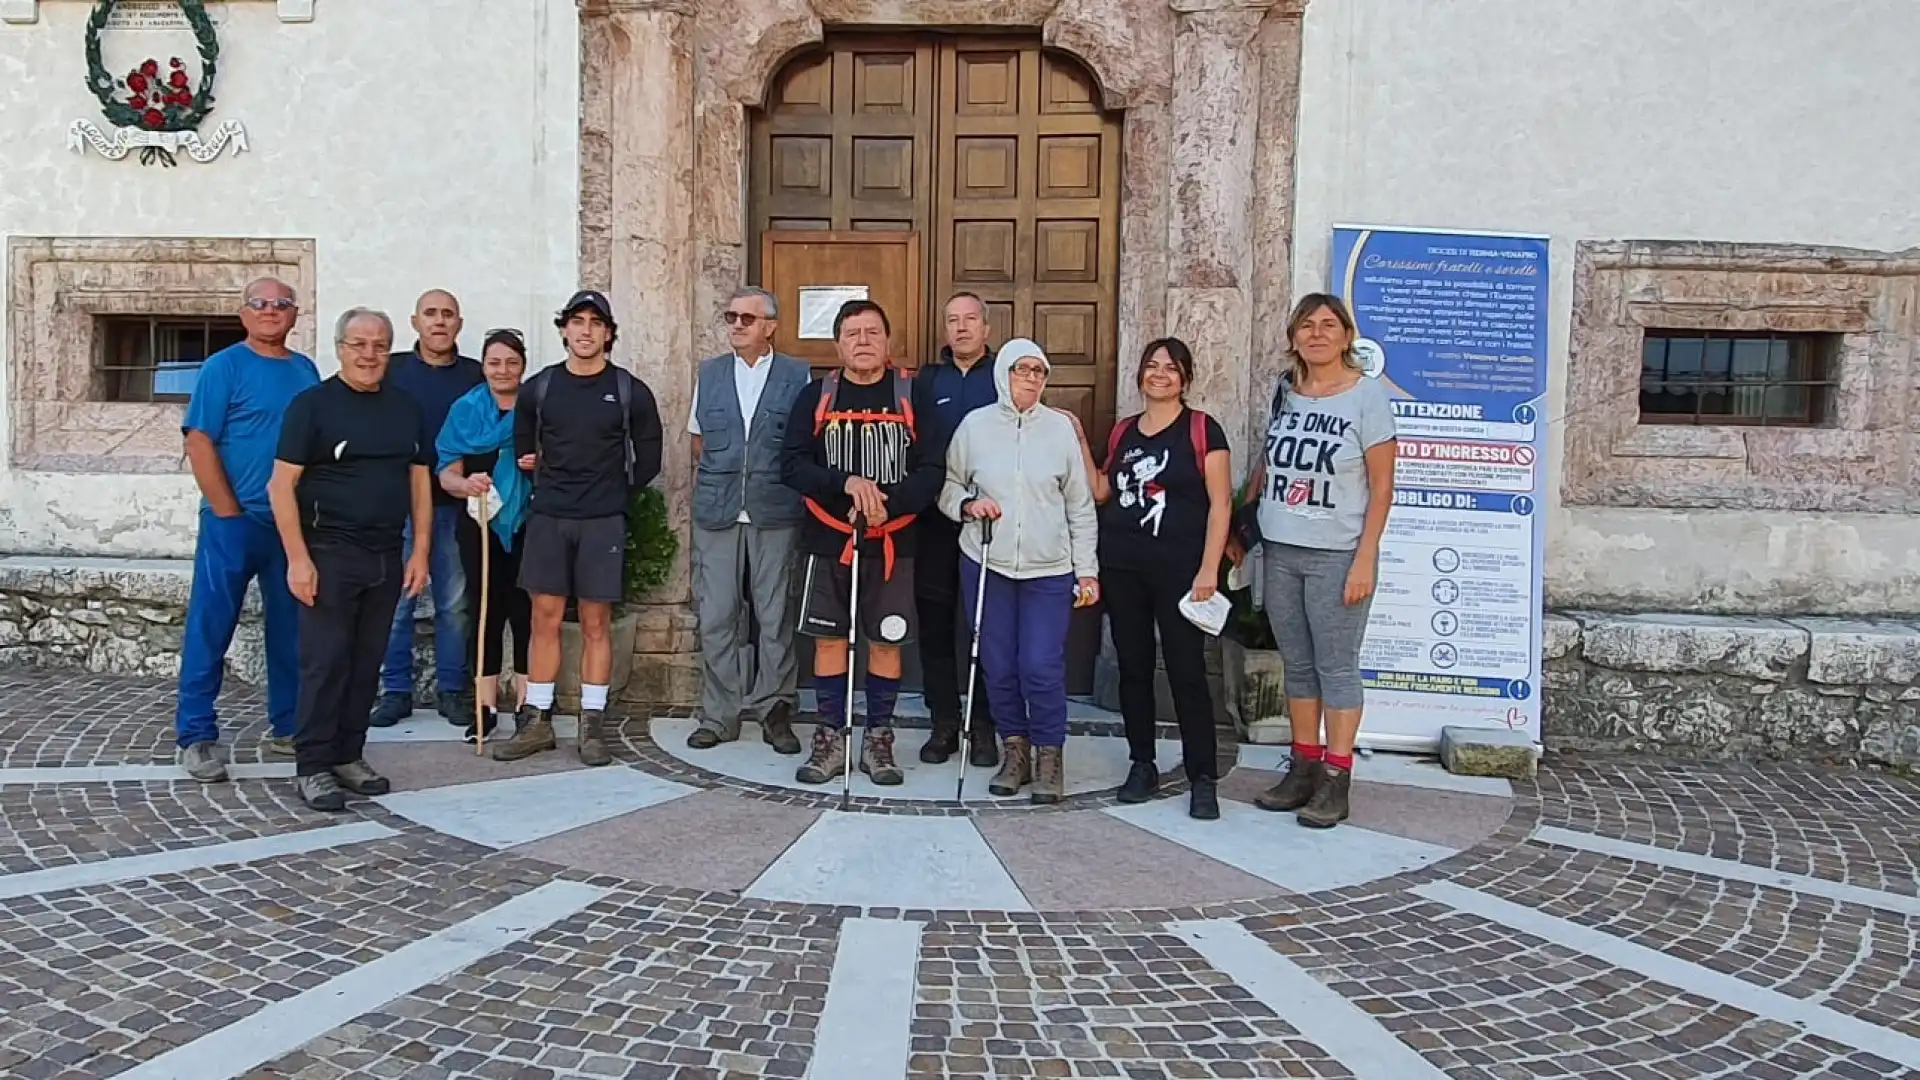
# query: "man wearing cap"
589, 433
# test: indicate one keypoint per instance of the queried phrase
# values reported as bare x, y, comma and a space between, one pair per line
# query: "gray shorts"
584, 558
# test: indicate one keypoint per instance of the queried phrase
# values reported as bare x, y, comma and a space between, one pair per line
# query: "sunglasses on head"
277, 303
507, 332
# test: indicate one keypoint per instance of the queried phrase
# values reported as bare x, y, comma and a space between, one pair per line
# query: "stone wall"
1721, 687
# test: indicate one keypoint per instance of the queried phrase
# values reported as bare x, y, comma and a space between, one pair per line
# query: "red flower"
183, 99
138, 102
152, 118
177, 79
137, 83
150, 68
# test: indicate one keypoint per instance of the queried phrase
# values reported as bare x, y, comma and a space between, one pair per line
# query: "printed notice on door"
819, 304
1458, 325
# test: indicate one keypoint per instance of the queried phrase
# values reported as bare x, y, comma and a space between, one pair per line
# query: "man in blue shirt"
232, 429
959, 381
435, 376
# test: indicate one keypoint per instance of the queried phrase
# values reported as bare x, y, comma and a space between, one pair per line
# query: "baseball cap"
586, 298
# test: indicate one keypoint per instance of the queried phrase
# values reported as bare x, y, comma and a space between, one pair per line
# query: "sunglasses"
743, 318
505, 332
277, 303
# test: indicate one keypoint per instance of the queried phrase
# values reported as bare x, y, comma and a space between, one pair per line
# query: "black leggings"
507, 604
1136, 603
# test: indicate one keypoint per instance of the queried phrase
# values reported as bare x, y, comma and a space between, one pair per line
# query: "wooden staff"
480, 631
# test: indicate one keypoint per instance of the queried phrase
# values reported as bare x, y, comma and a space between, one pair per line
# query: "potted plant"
651, 549
1250, 663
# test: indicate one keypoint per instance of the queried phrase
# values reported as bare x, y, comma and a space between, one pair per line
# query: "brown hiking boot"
1049, 773
876, 757
1294, 789
532, 733
1330, 803
777, 730
591, 744
1016, 767
828, 759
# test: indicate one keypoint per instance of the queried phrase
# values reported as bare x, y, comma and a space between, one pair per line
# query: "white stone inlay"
889, 860
183, 860
1277, 848
1731, 870
136, 774
1336, 1025
521, 809
1680, 974
866, 1029
286, 1025
1387, 767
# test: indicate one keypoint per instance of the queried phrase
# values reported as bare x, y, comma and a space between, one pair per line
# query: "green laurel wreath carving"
158, 115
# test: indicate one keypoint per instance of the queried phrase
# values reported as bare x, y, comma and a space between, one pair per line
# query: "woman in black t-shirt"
1166, 503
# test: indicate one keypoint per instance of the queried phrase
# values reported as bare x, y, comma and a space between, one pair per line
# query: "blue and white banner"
1456, 325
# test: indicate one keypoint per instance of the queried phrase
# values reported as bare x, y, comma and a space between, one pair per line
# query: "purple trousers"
1023, 647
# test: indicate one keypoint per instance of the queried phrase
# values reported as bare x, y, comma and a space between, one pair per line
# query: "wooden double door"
932, 164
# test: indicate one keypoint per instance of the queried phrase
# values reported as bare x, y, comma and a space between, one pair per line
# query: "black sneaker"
472, 735
456, 706
983, 750
1143, 779
1203, 799
391, 709
941, 743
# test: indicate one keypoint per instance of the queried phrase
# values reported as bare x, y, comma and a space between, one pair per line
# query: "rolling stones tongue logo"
1298, 491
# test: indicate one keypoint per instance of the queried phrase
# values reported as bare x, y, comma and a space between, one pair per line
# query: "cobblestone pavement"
673, 916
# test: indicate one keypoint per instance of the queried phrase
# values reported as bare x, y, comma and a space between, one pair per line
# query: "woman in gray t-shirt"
1323, 487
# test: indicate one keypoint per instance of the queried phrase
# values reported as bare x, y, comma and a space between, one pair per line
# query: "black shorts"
584, 558
887, 609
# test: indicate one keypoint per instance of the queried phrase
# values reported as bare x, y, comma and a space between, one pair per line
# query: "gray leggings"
1319, 635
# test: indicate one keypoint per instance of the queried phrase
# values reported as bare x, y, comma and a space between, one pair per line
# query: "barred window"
157, 358
1736, 377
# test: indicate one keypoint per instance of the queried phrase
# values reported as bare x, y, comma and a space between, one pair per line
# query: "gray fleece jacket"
1030, 464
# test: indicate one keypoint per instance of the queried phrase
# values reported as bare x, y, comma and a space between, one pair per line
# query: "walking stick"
853, 623
480, 632
973, 661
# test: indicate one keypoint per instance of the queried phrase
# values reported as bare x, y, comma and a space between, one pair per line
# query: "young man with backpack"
865, 469
589, 433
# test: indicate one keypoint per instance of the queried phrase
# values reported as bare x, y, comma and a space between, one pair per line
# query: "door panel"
887, 263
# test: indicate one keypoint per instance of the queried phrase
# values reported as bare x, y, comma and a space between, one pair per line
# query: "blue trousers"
447, 581
228, 553
1023, 649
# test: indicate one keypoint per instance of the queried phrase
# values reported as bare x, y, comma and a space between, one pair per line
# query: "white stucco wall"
420, 144
1731, 120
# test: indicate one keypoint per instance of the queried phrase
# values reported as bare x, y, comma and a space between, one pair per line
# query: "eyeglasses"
1029, 371
277, 303
744, 318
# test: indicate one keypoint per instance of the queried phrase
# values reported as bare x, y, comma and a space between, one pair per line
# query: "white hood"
1012, 352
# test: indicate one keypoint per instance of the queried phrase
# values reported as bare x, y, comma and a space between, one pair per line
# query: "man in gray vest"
745, 524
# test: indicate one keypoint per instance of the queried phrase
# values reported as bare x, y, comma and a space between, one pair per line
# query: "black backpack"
623, 381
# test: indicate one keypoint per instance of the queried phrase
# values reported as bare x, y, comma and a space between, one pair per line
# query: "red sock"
1308, 752
1343, 762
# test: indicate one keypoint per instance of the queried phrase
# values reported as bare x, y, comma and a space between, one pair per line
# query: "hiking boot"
828, 759
1294, 789
456, 706
876, 757
983, 750
321, 791
777, 730
1015, 770
280, 746
704, 738
533, 732
592, 743
202, 762
471, 736
1143, 779
1049, 773
1329, 805
942, 743
1203, 799
359, 778
391, 709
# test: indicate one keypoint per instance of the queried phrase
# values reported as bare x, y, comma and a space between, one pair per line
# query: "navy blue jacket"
945, 394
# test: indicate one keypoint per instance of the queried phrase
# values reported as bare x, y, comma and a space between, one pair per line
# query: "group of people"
972, 513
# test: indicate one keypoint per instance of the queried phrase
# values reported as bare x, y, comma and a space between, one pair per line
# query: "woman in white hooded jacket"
1020, 465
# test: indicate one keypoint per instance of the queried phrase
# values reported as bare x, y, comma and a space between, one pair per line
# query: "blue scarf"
474, 426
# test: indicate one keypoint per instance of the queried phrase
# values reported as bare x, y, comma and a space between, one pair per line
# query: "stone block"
1470, 751
566, 688
1271, 731
1892, 736
1693, 644
1254, 680
1559, 636
1861, 651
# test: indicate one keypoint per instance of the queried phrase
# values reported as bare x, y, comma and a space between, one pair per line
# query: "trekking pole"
480, 635
973, 660
853, 623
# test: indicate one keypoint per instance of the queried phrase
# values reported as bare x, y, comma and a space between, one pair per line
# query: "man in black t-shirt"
351, 472
589, 432
854, 448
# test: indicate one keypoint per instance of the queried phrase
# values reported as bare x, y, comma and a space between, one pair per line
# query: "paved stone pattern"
92, 982
43, 826
1000, 999
54, 718
1479, 1000
642, 984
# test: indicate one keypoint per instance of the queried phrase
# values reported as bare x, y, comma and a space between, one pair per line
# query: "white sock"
593, 698
540, 695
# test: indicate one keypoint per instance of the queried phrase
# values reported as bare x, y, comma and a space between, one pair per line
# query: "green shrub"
651, 544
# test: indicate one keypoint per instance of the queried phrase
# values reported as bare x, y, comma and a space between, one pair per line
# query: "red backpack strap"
1113, 439
829, 385
1198, 432
903, 400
